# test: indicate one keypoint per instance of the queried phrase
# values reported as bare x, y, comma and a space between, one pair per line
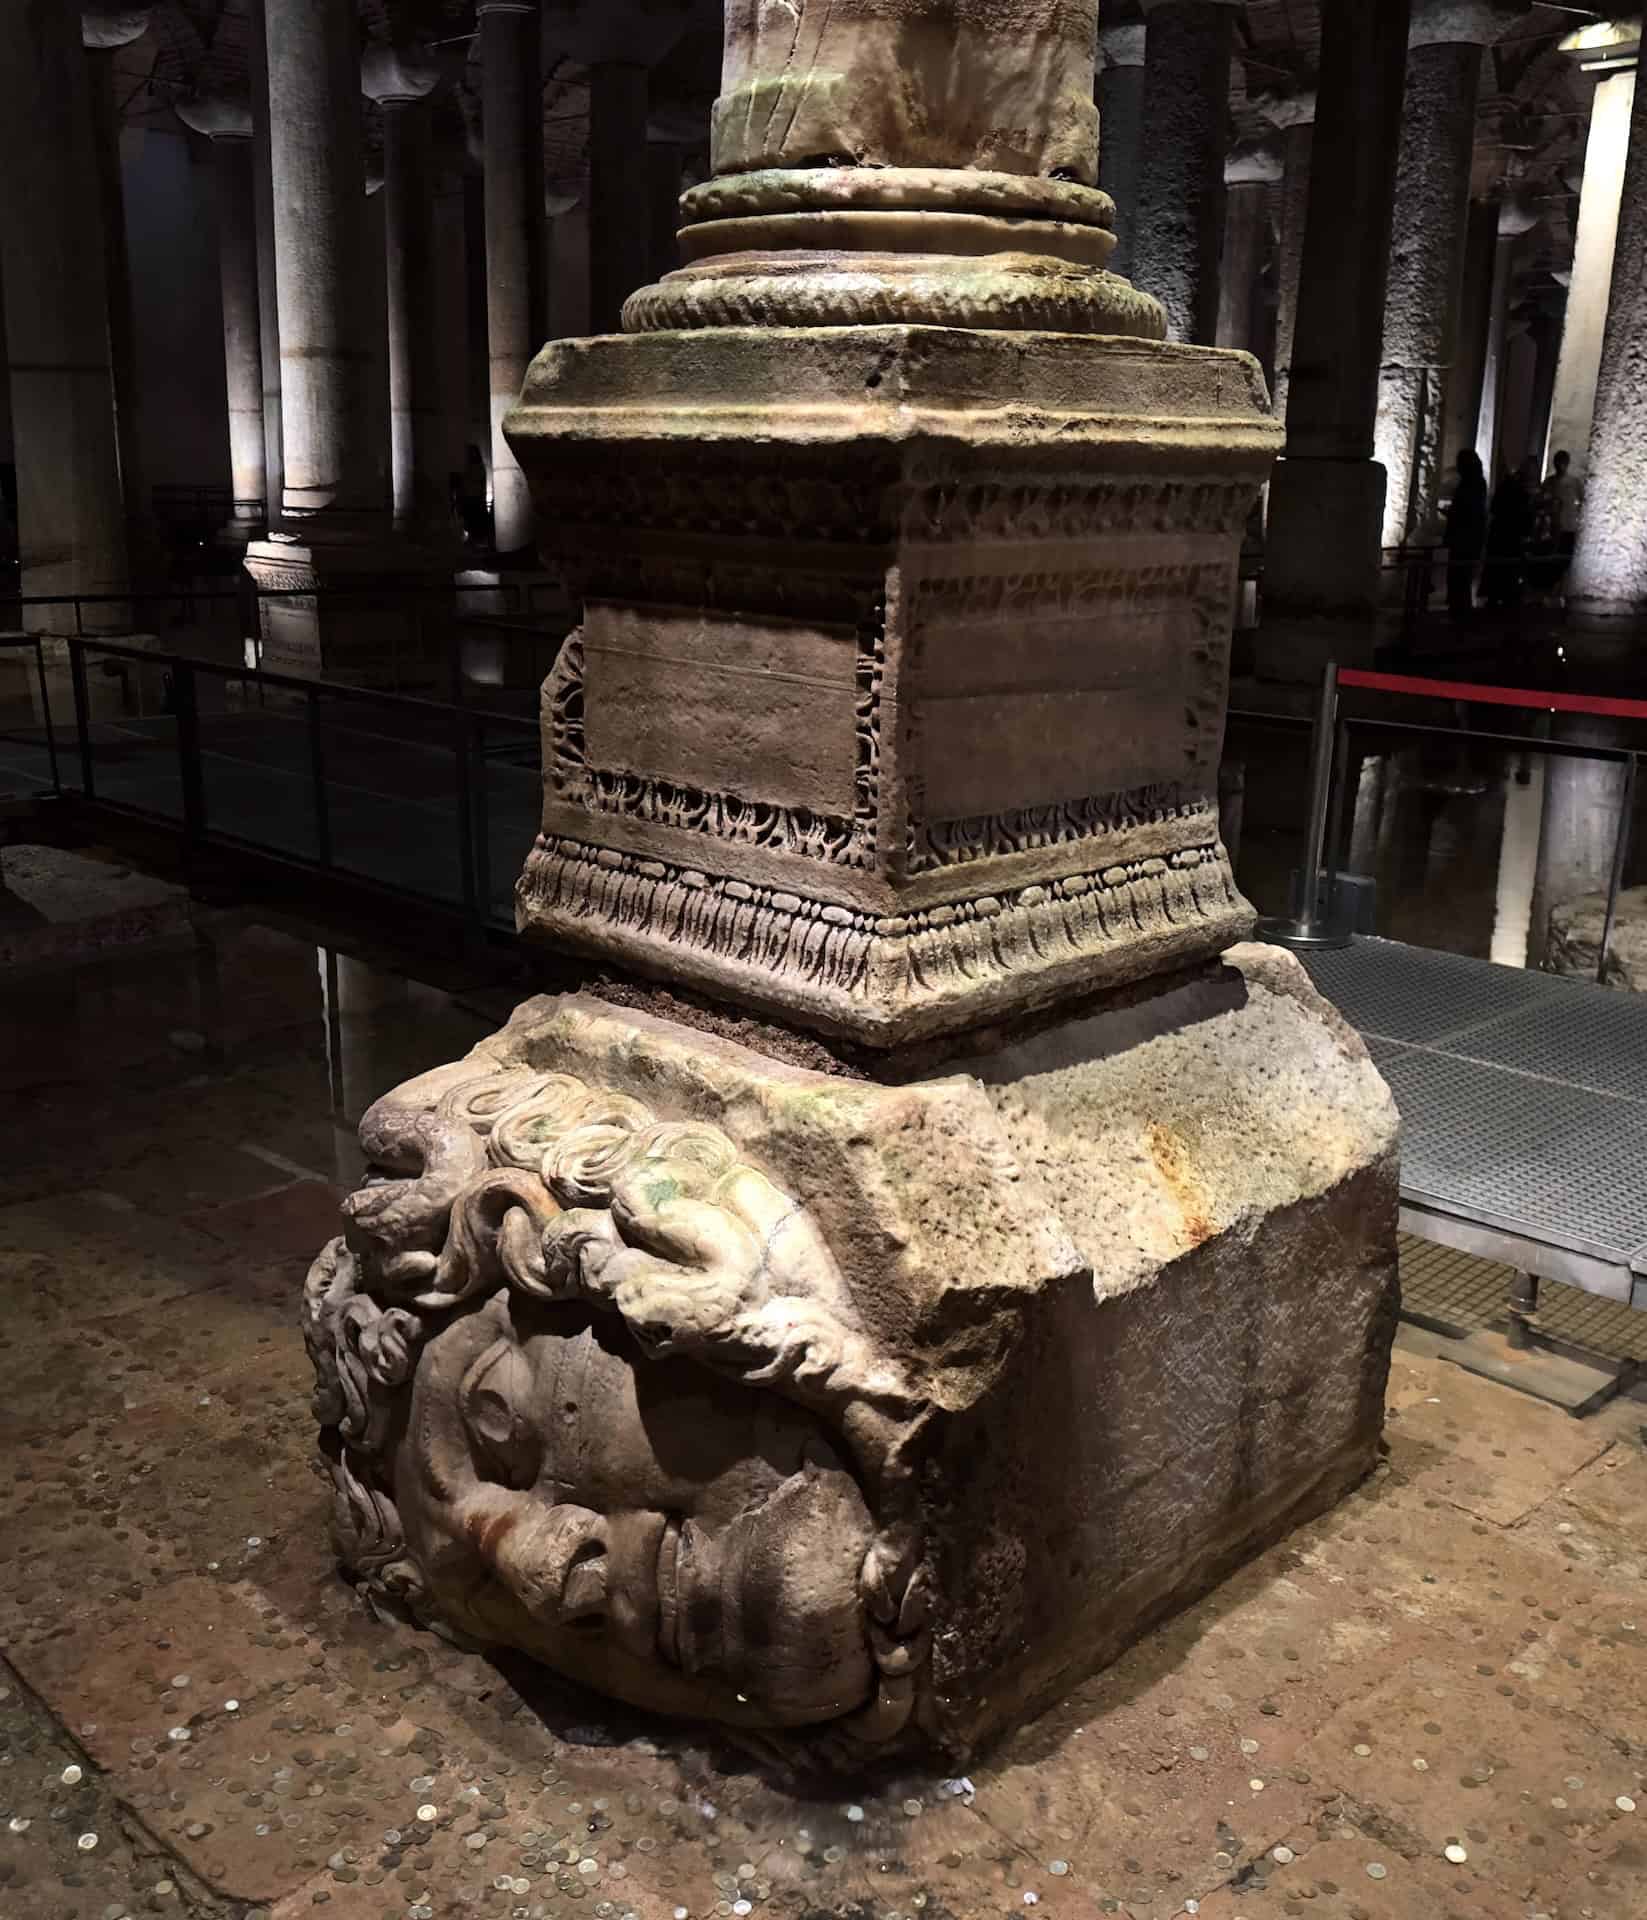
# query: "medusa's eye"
496, 1402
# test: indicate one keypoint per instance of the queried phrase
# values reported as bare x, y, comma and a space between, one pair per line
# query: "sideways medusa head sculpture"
590, 1386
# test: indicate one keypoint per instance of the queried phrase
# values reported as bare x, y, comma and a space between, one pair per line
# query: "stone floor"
1431, 1704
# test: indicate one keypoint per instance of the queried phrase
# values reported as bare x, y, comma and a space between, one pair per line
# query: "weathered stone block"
898, 698
858, 1414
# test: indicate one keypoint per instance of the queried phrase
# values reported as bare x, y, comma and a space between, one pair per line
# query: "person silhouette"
1567, 493
1466, 534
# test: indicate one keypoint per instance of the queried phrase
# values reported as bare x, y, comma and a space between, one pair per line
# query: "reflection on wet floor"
1450, 846
1428, 1702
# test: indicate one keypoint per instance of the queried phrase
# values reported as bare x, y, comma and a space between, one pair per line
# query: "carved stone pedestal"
859, 1415
898, 699
370, 614
986, 1265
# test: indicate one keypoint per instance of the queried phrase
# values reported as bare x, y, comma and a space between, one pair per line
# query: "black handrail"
464, 729
290, 682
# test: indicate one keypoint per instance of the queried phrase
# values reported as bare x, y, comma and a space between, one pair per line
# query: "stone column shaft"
1545, 330
234, 185
268, 296
1609, 577
1294, 116
414, 376
71, 516
400, 76
451, 324
663, 195
105, 112
620, 241
1327, 496
477, 389
1426, 273
1120, 96
1181, 192
1247, 180
512, 132
1462, 423
332, 472
1594, 250
1506, 244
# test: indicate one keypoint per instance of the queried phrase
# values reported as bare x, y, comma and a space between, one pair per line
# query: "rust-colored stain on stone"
1166, 1149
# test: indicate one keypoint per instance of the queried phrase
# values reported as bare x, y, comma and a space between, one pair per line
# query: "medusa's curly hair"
537, 1183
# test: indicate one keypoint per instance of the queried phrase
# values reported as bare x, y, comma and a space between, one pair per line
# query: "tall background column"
1249, 173
1432, 198
1120, 95
228, 125
400, 78
104, 30
268, 295
1462, 419
1293, 116
1608, 588
1180, 217
336, 480
1327, 493
619, 42
1572, 410
620, 239
512, 136
664, 169
71, 517
1514, 218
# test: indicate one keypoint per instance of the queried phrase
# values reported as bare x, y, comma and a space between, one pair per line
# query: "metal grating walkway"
1523, 1101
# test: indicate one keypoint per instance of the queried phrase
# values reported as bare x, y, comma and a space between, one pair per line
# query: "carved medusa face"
591, 1386
681, 1541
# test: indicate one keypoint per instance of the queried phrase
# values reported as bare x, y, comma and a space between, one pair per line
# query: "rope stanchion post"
1314, 925
1615, 880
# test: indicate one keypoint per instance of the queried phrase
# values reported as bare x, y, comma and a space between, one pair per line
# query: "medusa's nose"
571, 1568
552, 1559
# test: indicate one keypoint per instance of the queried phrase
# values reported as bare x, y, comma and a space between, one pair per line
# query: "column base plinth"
860, 1416
371, 612
1603, 627
1324, 541
897, 698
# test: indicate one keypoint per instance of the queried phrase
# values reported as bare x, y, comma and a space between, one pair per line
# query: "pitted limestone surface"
820, 1407
1426, 269
1233, 1098
1186, 102
807, 83
1609, 578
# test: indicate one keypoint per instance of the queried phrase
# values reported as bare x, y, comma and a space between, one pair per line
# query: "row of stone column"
1372, 255
59, 238
296, 280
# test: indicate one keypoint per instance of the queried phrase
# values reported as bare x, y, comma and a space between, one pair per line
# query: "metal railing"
417, 799
30, 643
425, 652
1316, 921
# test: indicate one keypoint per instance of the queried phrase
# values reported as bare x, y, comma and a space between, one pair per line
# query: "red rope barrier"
1494, 696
